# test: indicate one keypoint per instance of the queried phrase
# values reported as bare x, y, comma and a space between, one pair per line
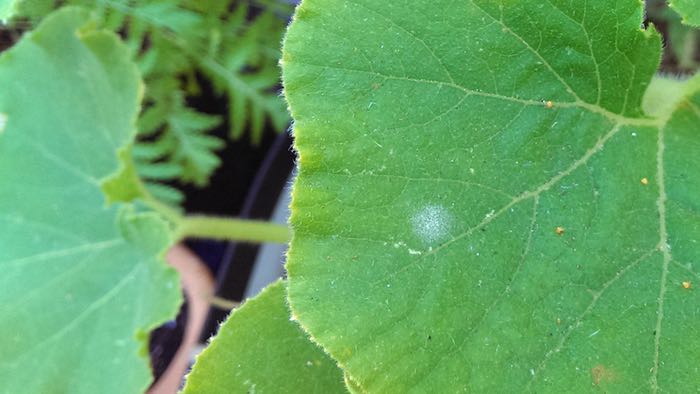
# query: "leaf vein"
413, 35
579, 320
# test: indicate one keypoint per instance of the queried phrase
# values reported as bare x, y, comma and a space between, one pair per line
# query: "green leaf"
8, 9
689, 10
172, 42
125, 185
82, 281
259, 350
482, 204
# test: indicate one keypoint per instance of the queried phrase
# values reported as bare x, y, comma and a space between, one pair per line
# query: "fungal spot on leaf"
3, 122
549, 104
601, 374
432, 223
559, 230
686, 285
645, 181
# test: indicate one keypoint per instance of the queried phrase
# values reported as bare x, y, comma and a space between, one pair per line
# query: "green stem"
212, 227
164, 209
231, 229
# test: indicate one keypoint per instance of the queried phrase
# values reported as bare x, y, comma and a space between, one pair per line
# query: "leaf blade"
460, 169
80, 279
270, 352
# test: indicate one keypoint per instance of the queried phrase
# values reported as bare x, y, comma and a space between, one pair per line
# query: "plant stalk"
231, 229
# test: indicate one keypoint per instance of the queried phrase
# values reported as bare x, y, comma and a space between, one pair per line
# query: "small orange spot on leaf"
645, 181
549, 104
601, 374
686, 285
559, 230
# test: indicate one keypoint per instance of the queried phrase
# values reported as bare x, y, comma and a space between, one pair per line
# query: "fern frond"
194, 150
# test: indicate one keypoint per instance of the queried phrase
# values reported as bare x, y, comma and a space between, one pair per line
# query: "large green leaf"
689, 10
259, 350
482, 204
80, 279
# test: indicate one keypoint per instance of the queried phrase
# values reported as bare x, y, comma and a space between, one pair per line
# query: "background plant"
179, 46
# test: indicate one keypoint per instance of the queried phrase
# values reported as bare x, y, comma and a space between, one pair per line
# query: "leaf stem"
231, 229
162, 208
215, 227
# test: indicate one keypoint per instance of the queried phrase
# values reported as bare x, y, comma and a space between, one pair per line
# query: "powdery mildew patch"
432, 223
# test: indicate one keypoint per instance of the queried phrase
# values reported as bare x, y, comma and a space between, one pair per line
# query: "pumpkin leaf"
82, 281
483, 205
258, 349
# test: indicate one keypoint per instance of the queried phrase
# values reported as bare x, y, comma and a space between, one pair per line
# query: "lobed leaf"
482, 204
258, 349
82, 281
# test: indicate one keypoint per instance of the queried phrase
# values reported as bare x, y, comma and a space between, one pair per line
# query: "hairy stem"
231, 229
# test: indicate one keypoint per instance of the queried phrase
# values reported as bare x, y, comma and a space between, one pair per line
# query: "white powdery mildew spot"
432, 223
3, 122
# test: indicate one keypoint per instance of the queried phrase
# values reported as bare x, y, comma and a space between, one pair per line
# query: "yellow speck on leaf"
645, 181
549, 104
686, 284
559, 230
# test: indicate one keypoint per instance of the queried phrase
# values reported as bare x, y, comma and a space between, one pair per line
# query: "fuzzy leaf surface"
258, 349
482, 205
82, 282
